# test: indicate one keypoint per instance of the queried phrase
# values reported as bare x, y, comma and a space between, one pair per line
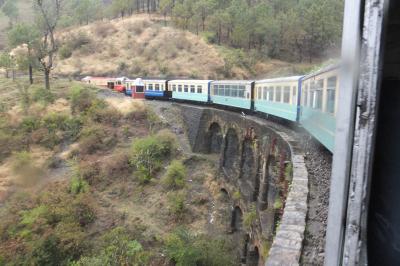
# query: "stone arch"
237, 219
215, 138
248, 160
253, 257
231, 151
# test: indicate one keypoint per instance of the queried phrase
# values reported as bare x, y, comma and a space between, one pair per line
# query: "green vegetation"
186, 249
147, 154
250, 217
176, 204
175, 176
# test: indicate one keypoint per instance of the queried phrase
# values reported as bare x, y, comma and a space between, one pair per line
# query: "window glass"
259, 94
227, 91
192, 88
174, 87
278, 94
270, 92
305, 93
157, 87
162, 87
199, 89
235, 91
180, 88
331, 94
294, 92
265, 93
215, 89
139, 89
286, 94
241, 91
150, 87
317, 96
186, 88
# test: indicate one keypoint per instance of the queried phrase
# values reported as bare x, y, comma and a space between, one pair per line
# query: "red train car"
100, 81
120, 84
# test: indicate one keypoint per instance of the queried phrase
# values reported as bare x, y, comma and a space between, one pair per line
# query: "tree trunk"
47, 78
30, 74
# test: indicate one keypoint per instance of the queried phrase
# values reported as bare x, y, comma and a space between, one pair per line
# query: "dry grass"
147, 49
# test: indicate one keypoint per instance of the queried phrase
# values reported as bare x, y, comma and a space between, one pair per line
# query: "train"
310, 100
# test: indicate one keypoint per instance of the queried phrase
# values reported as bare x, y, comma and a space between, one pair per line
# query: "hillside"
142, 46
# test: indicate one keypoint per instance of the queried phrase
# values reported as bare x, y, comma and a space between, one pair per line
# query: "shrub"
101, 113
250, 217
65, 52
104, 29
83, 213
23, 166
78, 40
176, 204
81, 98
42, 95
175, 176
78, 185
46, 252
186, 249
147, 154
94, 138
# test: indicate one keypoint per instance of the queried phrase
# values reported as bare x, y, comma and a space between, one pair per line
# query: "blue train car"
319, 102
278, 97
234, 93
156, 89
191, 90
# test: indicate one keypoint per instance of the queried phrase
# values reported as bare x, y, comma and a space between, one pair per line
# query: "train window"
199, 89
241, 91
331, 94
286, 94
192, 89
294, 92
265, 90
305, 93
150, 87
317, 94
139, 89
259, 95
180, 88
227, 90
162, 87
157, 87
278, 94
186, 88
174, 87
270, 96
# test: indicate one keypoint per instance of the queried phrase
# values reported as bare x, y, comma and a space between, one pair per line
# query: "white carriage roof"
323, 70
154, 80
136, 82
190, 80
285, 79
233, 81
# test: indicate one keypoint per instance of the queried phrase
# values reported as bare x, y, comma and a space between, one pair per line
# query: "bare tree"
48, 15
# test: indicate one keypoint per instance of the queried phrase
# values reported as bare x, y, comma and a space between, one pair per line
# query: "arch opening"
214, 138
237, 219
231, 150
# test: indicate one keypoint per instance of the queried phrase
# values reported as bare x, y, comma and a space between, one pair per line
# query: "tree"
24, 34
10, 10
6, 62
166, 7
48, 13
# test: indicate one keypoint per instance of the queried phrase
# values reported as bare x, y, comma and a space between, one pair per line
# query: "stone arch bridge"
263, 173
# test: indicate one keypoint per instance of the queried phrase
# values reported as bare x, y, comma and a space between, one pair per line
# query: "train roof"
322, 70
190, 80
154, 80
232, 81
284, 79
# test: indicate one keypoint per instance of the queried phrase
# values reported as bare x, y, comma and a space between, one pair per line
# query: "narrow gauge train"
309, 100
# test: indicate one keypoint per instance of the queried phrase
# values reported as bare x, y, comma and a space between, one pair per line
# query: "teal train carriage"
234, 93
319, 103
278, 97
190, 90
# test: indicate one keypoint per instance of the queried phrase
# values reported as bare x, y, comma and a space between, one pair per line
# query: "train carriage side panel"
278, 97
190, 90
232, 93
319, 104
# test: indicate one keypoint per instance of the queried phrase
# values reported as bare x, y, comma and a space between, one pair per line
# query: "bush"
175, 176
147, 154
101, 113
65, 52
78, 185
42, 95
83, 213
104, 29
176, 204
81, 99
94, 138
250, 217
186, 249
47, 252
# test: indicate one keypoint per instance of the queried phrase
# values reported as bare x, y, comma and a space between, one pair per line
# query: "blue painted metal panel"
152, 94
128, 92
321, 125
232, 101
284, 110
198, 97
